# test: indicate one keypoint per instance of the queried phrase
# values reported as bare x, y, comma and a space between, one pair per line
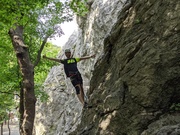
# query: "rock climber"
71, 71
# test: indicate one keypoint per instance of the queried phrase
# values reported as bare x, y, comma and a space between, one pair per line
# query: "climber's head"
68, 53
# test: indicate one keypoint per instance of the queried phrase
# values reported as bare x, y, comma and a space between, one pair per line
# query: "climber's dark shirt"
70, 66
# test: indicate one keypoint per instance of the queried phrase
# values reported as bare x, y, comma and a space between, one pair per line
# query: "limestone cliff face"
134, 87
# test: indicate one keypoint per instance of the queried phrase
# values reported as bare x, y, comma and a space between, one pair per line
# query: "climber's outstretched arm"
52, 59
87, 57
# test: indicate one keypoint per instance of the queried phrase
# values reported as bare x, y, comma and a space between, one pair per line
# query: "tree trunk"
21, 110
27, 71
1, 128
8, 125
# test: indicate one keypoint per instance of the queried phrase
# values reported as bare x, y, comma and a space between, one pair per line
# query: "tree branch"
40, 51
9, 93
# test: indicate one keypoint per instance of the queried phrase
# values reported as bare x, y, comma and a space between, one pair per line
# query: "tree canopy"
25, 27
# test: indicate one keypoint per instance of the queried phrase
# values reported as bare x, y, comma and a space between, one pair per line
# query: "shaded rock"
136, 81
134, 87
168, 124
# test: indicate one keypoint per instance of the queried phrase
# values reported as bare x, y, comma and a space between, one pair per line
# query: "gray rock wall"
136, 83
134, 87
62, 113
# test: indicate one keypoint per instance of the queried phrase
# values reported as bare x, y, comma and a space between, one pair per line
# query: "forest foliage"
41, 20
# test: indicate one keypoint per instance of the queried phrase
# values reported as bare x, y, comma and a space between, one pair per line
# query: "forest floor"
14, 129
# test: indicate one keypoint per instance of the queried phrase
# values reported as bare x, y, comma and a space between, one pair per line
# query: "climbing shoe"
86, 105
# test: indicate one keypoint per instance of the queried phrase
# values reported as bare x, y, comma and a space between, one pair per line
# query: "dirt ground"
14, 129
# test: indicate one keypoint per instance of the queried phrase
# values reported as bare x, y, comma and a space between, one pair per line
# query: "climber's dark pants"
76, 80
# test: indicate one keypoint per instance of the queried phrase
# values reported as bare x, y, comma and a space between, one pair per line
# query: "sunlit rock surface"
134, 87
